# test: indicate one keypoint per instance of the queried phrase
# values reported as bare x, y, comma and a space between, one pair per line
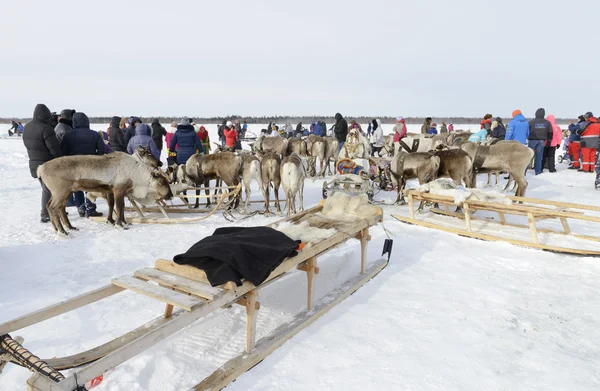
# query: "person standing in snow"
230, 134
574, 143
426, 126
187, 142
340, 130
204, 138
498, 129
117, 136
451, 127
443, 128
399, 131
590, 138
65, 123
143, 138
518, 128
540, 134
42, 146
130, 130
550, 148
14, 126
377, 137
83, 141
158, 132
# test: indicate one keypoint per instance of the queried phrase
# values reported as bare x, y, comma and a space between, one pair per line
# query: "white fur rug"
304, 232
445, 187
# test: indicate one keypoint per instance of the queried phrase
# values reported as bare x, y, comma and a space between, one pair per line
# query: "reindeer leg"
266, 195
64, 217
248, 194
207, 192
52, 215
110, 199
302, 196
276, 184
120, 204
53, 206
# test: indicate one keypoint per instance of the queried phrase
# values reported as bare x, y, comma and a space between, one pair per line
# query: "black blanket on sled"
234, 253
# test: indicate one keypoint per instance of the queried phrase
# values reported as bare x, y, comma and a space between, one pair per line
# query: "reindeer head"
143, 155
353, 137
159, 183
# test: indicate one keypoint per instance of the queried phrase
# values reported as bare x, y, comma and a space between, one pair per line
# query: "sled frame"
532, 208
187, 287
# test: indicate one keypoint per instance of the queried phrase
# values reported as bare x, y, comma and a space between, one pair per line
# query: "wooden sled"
188, 289
165, 209
500, 229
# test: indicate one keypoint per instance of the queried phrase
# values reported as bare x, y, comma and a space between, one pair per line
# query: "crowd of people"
49, 135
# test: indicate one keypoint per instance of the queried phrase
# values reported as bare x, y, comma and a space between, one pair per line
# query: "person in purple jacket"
142, 138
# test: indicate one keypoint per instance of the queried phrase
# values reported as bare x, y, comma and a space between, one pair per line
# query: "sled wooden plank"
178, 282
555, 203
504, 222
267, 345
157, 292
193, 273
487, 237
58, 309
172, 209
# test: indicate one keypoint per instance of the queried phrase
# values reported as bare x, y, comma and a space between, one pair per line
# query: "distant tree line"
283, 119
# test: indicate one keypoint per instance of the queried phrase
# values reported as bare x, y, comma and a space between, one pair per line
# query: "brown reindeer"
296, 145
117, 175
421, 165
317, 149
270, 171
225, 166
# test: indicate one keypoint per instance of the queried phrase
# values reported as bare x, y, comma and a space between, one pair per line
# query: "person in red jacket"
590, 137
230, 134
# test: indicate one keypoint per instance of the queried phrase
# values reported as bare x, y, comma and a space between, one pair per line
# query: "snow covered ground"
448, 313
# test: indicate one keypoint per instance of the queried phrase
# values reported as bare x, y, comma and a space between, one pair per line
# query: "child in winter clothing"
377, 136
480, 136
433, 129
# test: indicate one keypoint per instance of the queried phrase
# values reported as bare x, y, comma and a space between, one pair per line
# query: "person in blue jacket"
433, 129
187, 141
143, 137
518, 128
480, 136
318, 129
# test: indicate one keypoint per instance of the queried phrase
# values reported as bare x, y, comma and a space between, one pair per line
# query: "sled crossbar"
188, 296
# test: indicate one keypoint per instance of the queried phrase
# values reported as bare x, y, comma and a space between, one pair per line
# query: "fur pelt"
305, 232
447, 188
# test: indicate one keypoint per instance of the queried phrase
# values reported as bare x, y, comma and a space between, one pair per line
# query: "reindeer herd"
272, 162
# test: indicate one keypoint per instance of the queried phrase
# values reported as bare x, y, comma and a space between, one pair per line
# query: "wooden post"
168, 311
163, 210
411, 205
251, 319
532, 229
467, 216
310, 274
137, 208
565, 224
364, 238
502, 218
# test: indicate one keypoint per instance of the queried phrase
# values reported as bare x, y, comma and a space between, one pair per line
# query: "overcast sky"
304, 57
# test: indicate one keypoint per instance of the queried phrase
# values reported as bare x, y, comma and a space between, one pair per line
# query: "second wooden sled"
188, 289
228, 195
504, 229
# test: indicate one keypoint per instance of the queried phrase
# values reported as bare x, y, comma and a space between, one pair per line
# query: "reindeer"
296, 145
332, 152
293, 172
117, 175
276, 144
420, 165
225, 166
251, 170
508, 156
270, 170
317, 149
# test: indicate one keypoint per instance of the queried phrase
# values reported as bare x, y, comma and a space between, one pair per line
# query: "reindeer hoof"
401, 202
110, 221
73, 228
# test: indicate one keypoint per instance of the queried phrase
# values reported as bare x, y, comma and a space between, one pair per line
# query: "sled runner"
188, 289
225, 199
539, 220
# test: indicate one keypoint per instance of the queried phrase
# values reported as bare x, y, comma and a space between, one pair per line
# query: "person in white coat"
377, 136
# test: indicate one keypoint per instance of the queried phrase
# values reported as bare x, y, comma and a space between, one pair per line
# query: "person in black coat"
116, 137
340, 130
83, 141
158, 132
540, 134
42, 146
14, 126
130, 130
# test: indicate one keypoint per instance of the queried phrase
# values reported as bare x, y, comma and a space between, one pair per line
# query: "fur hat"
516, 112
399, 119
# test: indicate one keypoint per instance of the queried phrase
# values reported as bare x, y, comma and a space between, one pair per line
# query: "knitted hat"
399, 119
434, 124
174, 124
184, 121
516, 112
